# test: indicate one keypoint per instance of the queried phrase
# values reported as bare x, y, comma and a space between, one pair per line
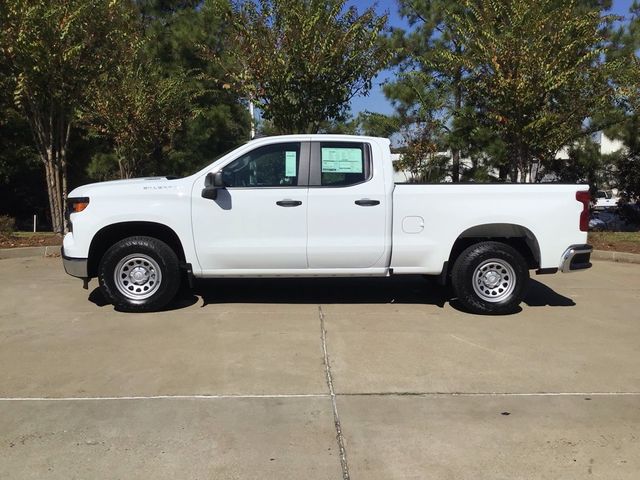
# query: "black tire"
157, 269
500, 274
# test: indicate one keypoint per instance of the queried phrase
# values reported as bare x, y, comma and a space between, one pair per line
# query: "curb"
612, 256
24, 252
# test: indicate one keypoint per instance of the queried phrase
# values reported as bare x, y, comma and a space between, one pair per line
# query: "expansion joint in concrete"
336, 417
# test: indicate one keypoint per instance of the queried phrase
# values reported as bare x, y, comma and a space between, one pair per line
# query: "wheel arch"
517, 236
111, 234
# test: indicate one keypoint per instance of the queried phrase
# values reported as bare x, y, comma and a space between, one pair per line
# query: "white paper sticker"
341, 160
290, 164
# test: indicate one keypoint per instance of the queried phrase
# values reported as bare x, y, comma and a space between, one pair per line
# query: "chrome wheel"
494, 280
137, 276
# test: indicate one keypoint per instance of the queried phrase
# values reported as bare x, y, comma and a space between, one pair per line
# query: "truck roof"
321, 137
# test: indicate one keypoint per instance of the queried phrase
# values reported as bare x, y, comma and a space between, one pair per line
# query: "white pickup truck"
320, 205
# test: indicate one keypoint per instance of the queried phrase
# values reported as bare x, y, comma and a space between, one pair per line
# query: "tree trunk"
50, 128
455, 153
55, 181
503, 171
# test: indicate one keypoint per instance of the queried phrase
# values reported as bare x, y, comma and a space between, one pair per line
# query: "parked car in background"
605, 199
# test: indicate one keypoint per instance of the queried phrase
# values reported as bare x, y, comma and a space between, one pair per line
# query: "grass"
32, 234
616, 241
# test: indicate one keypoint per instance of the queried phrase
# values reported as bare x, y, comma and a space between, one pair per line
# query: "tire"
490, 278
139, 274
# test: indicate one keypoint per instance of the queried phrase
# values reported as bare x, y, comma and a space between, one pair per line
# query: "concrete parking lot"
319, 379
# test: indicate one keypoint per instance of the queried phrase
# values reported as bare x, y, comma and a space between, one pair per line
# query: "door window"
340, 164
269, 166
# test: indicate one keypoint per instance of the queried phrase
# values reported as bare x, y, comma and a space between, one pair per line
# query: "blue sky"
376, 101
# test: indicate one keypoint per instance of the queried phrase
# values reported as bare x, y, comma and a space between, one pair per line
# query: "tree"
535, 71
378, 125
301, 62
585, 165
55, 51
427, 73
139, 109
627, 42
174, 31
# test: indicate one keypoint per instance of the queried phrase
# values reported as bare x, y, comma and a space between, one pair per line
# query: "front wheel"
139, 274
490, 278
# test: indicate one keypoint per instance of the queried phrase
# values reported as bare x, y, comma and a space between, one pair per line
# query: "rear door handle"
365, 202
288, 203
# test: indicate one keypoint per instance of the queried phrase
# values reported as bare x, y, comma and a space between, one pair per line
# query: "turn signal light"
76, 205
80, 206
584, 197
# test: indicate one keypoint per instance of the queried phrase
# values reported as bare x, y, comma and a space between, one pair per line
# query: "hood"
116, 186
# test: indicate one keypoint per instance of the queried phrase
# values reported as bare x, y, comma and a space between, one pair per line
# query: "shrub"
7, 224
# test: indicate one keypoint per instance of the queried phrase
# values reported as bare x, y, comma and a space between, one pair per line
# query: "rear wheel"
139, 274
490, 278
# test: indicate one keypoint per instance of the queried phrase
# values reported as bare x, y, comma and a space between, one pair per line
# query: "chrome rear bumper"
576, 257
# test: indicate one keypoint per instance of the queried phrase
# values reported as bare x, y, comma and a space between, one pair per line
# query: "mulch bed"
608, 241
35, 240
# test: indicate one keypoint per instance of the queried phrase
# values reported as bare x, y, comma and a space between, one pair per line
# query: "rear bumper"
76, 267
576, 257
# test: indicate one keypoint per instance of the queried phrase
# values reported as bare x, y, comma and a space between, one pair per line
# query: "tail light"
584, 197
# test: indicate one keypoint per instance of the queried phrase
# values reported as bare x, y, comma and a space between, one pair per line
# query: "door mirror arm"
212, 183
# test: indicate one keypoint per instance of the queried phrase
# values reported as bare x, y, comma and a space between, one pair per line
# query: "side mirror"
212, 183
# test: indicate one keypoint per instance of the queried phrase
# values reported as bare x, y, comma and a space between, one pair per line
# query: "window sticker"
290, 167
341, 160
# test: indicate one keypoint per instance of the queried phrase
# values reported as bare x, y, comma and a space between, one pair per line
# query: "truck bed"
428, 219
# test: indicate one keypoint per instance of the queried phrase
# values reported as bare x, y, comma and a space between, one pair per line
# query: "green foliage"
57, 49
125, 84
103, 166
584, 165
378, 125
174, 32
628, 177
428, 90
536, 72
508, 82
139, 109
7, 224
627, 162
160, 109
421, 159
301, 62
627, 128
53, 54
22, 185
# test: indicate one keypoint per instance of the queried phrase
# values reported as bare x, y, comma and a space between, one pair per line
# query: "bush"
7, 224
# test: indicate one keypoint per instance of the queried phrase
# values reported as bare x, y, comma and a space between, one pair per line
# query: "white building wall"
608, 145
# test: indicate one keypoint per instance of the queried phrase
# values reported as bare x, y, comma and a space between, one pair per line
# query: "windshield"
220, 155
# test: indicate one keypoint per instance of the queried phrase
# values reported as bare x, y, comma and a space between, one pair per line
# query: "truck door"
347, 224
259, 219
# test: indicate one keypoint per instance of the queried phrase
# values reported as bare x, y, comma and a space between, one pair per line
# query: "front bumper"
576, 257
76, 267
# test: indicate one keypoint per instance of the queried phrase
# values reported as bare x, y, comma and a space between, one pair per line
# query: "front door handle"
365, 202
288, 203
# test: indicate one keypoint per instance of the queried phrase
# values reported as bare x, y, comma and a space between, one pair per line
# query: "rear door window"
340, 164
